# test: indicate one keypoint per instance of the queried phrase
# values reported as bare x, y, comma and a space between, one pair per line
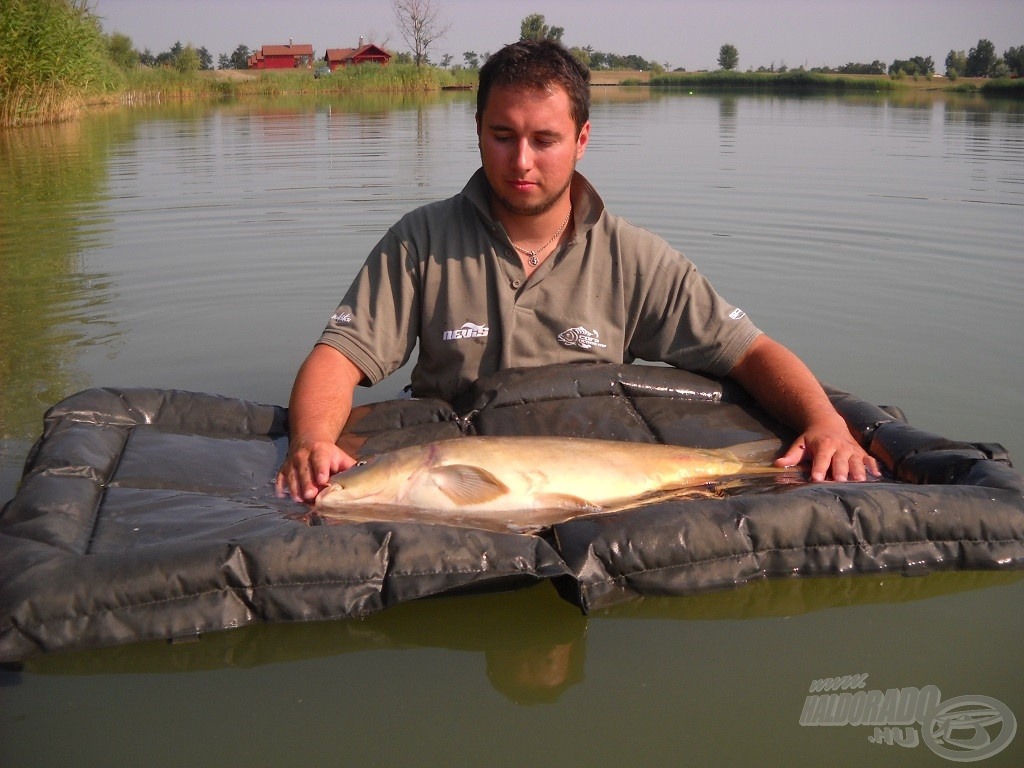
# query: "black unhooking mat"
149, 514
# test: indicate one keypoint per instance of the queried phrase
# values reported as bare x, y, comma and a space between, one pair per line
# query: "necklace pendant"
533, 260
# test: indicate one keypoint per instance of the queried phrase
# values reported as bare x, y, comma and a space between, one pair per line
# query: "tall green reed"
52, 58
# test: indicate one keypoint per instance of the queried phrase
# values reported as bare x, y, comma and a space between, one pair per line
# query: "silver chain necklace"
531, 256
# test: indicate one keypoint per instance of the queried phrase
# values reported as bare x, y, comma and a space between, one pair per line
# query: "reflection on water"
52, 179
533, 641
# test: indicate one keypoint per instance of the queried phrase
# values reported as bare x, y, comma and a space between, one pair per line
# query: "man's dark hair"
537, 65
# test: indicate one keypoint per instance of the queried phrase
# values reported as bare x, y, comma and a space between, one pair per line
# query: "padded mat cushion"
149, 514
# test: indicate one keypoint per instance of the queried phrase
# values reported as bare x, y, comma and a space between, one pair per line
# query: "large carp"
523, 483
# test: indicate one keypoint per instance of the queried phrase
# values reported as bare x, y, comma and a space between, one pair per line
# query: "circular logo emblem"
969, 728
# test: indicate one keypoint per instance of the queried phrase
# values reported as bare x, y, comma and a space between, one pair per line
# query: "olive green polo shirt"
447, 276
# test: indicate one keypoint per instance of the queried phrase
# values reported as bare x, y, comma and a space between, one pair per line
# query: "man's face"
529, 147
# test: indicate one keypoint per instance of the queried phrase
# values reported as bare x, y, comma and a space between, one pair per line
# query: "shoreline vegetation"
56, 61
143, 85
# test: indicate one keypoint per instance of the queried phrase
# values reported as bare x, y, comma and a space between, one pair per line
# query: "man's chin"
525, 207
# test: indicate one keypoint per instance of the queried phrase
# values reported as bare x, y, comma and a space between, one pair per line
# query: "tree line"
981, 61
421, 25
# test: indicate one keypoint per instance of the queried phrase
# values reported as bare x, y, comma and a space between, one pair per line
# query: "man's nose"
523, 158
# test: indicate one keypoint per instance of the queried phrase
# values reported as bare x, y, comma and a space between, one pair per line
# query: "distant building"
363, 54
289, 56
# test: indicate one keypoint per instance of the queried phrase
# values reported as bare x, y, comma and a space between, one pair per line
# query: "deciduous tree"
981, 59
420, 25
918, 65
121, 51
728, 56
1014, 58
239, 58
956, 64
186, 59
534, 27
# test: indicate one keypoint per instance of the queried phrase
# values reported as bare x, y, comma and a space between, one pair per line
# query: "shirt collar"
587, 205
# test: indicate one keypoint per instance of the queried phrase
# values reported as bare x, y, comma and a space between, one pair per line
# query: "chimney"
289, 42
360, 41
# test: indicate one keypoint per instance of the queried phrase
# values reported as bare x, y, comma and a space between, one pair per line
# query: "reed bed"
159, 84
771, 81
52, 60
1004, 89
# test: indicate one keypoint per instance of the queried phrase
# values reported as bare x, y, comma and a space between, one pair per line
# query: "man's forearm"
783, 385
321, 398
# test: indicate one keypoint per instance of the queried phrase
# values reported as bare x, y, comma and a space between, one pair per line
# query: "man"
526, 267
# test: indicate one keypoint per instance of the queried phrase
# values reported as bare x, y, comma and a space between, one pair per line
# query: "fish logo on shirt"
581, 337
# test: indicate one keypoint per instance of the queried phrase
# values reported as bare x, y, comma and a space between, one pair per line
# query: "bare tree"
419, 25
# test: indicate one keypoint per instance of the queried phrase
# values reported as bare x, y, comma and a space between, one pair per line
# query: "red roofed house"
364, 54
282, 57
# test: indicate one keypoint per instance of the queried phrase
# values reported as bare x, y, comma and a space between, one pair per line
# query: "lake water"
203, 248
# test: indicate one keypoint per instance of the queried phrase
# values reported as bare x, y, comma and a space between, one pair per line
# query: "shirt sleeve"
377, 323
682, 320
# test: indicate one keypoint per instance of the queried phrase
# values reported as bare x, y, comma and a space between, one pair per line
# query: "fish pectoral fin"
565, 501
465, 484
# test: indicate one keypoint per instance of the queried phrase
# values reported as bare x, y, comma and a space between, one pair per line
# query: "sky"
680, 33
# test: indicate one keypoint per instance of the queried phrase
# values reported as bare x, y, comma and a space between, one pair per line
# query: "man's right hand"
308, 468
320, 405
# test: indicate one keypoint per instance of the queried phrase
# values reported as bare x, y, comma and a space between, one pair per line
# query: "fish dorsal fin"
465, 484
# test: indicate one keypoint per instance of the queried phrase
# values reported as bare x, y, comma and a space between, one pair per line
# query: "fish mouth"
339, 493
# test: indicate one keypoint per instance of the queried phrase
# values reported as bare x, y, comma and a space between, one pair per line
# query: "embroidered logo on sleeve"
467, 331
581, 337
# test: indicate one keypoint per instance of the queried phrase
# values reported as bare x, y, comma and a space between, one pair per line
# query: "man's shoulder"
633, 239
435, 215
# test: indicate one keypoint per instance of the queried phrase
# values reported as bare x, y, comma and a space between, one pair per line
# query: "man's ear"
582, 140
